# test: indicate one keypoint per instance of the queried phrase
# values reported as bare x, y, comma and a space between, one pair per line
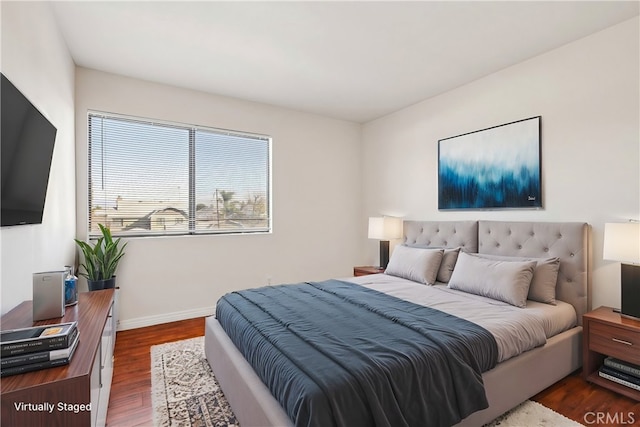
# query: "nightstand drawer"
613, 341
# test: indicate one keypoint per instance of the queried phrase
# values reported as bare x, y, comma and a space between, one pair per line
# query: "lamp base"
630, 290
384, 254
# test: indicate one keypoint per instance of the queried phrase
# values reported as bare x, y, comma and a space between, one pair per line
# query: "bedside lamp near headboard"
384, 229
622, 243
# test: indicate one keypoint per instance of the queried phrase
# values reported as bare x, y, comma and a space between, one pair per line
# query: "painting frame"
499, 167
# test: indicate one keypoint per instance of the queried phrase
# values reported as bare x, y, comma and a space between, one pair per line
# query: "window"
156, 178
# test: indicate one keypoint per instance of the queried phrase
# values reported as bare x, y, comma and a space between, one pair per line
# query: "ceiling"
350, 60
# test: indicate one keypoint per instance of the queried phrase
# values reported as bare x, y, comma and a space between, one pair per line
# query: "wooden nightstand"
366, 269
606, 333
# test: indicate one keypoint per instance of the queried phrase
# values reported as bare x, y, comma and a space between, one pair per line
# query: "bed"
518, 375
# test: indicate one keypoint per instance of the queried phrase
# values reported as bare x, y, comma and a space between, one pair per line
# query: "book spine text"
41, 344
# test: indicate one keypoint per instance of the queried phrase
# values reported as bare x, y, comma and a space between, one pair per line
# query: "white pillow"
545, 276
417, 264
506, 281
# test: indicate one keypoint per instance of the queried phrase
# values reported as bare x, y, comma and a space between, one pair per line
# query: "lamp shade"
385, 228
622, 242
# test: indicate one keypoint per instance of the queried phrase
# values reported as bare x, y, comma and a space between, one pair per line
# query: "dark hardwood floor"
130, 401
589, 404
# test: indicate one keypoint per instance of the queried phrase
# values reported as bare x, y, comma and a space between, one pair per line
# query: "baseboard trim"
142, 322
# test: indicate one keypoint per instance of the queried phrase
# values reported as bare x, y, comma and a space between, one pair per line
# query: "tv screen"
26, 151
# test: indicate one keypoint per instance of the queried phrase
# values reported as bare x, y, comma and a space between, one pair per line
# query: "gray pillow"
417, 264
449, 259
506, 281
545, 276
447, 265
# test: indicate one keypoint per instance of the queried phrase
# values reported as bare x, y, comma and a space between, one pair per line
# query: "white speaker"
48, 295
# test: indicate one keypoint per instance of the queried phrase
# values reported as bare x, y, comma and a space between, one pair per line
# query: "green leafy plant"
101, 259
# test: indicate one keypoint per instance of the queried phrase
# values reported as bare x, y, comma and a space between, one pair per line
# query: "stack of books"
624, 373
39, 347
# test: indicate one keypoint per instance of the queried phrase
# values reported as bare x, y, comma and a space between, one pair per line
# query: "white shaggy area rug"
532, 414
185, 393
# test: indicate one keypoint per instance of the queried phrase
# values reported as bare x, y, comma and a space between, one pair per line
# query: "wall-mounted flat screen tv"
26, 151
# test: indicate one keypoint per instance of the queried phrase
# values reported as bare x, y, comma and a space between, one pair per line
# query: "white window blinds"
153, 178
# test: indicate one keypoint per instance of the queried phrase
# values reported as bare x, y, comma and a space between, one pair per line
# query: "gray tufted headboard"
565, 240
442, 234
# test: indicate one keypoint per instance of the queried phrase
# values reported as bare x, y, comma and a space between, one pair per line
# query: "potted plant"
101, 260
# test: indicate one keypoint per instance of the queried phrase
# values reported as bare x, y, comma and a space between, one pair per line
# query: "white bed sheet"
515, 329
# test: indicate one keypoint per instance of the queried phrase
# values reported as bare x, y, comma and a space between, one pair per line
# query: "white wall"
328, 175
316, 202
587, 93
36, 60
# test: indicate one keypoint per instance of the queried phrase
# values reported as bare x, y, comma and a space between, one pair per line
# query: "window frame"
192, 203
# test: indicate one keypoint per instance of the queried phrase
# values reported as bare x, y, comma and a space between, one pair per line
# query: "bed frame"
509, 383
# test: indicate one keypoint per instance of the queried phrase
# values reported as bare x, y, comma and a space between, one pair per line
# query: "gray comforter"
338, 354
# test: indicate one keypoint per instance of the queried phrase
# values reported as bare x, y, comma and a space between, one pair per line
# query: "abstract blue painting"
494, 168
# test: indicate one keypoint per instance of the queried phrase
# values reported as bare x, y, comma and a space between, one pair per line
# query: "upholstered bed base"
517, 379
507, 385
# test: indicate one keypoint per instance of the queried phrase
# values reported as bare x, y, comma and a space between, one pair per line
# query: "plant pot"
96, 285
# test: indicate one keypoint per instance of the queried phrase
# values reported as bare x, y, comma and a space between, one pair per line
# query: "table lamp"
622, 243
384, 229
